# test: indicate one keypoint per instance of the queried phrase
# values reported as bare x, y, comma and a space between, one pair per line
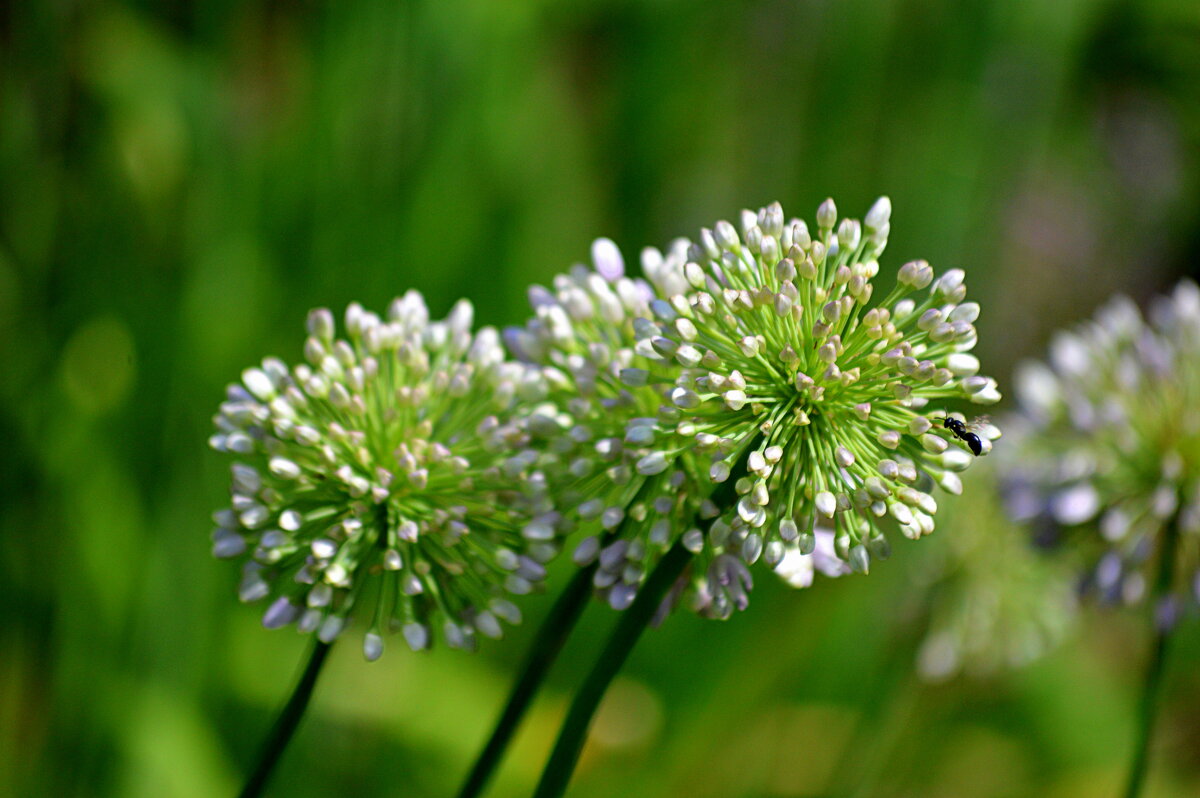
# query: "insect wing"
978, 423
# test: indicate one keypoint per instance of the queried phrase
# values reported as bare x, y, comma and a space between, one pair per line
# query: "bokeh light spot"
99, 365
630, 716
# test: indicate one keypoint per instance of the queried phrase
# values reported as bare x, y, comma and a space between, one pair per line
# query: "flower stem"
543, 651
285, 726
1152, 679
629, 628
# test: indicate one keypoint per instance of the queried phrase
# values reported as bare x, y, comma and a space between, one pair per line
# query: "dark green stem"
285, 726
1152, 681
543, 651
629, 628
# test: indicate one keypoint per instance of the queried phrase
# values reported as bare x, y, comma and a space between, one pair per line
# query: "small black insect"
964, 434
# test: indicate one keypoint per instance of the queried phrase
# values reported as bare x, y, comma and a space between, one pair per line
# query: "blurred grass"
180, 182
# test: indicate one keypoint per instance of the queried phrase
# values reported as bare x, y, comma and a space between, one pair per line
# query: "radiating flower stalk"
391, 476
1110, 464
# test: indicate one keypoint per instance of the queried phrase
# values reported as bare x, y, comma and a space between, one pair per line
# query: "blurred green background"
180, 182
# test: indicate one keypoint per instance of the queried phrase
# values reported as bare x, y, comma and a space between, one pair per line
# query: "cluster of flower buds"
390, 475
779, 369
1109, 443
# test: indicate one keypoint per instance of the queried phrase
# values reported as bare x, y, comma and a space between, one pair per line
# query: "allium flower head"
780, 368
386, 476
1110, 441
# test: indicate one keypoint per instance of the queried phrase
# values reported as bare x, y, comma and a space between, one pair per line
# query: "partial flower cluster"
390, 476
1110, 445
780, 370
994, 602
608, 479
